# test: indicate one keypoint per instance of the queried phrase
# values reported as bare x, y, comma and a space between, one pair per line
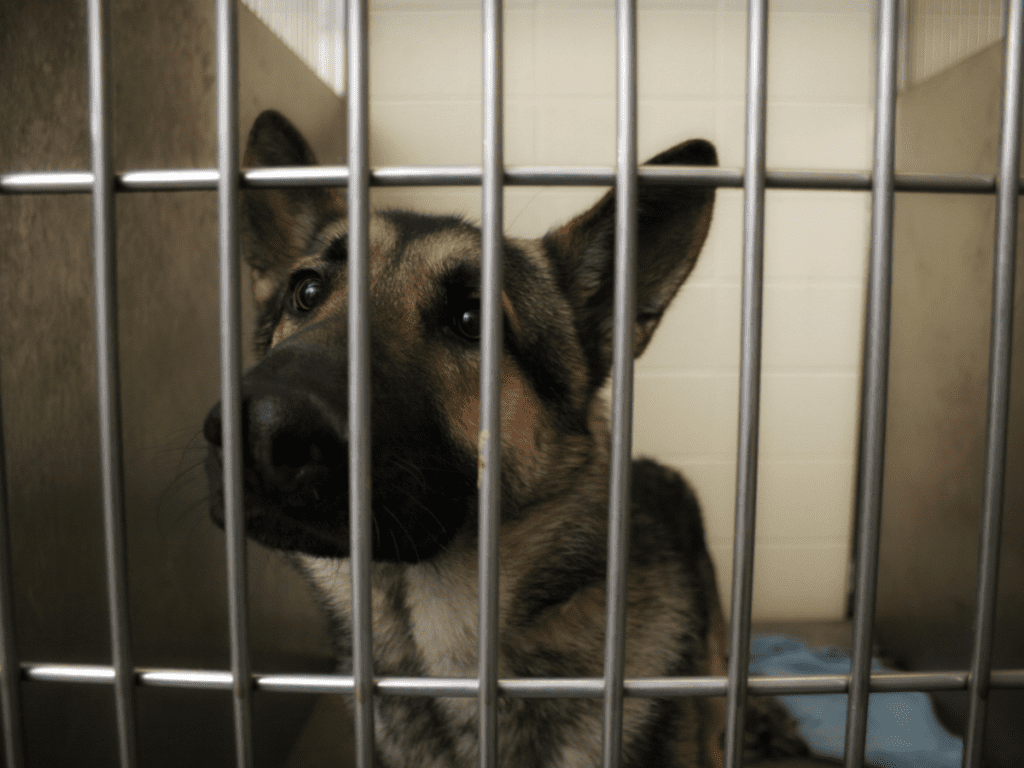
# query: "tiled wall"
425, 81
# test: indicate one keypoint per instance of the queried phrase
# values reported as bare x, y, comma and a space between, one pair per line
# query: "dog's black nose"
291, 440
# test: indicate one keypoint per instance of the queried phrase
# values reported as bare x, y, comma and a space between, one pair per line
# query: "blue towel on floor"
902, 729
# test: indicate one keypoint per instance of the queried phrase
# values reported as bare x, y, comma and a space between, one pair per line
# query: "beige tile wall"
560, 109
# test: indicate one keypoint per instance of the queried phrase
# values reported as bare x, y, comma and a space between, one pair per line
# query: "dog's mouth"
310, 516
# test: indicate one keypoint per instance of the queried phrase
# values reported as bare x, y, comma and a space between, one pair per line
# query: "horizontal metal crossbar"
187, 179
587, 687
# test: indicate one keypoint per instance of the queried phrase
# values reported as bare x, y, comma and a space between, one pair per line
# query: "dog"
424, 312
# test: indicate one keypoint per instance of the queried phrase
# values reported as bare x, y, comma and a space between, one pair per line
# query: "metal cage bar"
10, 670
173, 180
562, 687
750, 380
359, 378
230, 374
108, 384
622, 380
875, 385
492, 233
999, 385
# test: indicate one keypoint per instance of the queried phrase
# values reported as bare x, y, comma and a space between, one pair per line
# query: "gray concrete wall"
164, 117
942, 299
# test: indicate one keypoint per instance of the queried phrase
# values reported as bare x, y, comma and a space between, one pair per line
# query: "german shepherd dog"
424, 370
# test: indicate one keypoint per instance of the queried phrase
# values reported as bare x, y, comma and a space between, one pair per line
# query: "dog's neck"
425, 614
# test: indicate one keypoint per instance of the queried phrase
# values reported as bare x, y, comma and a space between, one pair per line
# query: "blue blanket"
902, 729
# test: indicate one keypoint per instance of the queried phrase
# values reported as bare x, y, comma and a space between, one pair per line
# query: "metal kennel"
103, 182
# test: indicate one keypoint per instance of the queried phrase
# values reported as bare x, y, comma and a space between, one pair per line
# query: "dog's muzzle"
294, 436
295, 455
289, 441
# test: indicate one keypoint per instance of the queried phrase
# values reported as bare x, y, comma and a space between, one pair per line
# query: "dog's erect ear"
278, 224
672, 222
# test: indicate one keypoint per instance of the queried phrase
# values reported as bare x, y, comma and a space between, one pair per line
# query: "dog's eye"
467, 323
308, 293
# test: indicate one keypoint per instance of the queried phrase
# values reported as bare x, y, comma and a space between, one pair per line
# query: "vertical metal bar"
875, 384
10, 671
999, 384
230, 373
359, 377
750, 380
490, 381
622, 379
105, 285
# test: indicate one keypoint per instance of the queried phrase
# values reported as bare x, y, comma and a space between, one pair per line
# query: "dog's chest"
442, 611
424, 617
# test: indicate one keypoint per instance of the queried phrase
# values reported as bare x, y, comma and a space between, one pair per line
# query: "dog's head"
425, 327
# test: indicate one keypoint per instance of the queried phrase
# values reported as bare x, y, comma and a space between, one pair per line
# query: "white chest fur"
431, 606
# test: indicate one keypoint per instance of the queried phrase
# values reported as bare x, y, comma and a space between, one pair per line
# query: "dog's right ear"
672, 223
278, 225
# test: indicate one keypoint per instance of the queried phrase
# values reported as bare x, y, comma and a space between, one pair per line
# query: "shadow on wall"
162, 57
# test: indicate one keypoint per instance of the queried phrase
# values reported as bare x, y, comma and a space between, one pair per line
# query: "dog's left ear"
278, 224
672, 223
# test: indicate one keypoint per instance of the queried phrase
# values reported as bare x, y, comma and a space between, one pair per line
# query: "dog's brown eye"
467, 324
309, 292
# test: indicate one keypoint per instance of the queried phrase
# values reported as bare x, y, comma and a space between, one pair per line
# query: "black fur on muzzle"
295, 452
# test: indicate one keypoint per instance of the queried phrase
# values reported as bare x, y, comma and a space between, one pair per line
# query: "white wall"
425, 75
